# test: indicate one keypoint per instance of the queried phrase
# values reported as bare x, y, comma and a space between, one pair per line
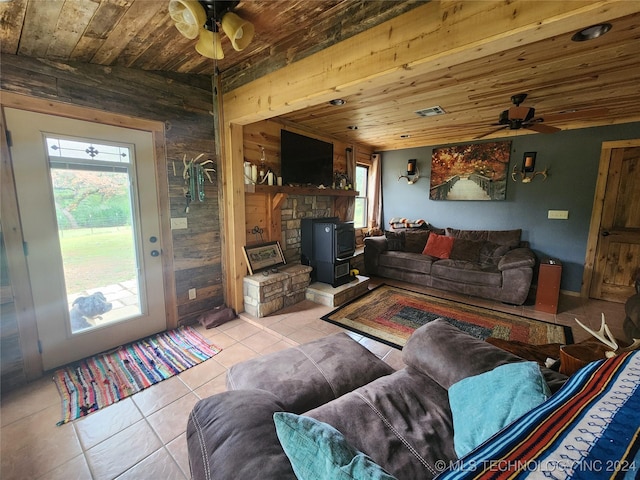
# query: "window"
362, 179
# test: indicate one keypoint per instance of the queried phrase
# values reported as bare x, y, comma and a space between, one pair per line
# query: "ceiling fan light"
239, 31
589, 33
188, 16
209, 45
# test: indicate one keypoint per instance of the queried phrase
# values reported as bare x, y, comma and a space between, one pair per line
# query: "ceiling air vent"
431, 111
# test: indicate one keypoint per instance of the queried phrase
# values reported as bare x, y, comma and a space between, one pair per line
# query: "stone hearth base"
325, 294
265, 294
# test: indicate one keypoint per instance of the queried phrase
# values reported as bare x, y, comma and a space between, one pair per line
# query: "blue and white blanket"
590, 429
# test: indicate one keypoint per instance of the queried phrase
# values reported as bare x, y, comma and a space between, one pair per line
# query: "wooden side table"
534, 353
548, 291
574, 357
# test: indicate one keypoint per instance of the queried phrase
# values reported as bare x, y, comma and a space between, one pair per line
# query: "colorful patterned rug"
391, 314
101, 380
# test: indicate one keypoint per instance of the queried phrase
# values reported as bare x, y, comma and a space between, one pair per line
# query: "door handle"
155, 253
605, 234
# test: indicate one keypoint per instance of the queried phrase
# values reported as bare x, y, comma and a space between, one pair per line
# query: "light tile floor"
143, 436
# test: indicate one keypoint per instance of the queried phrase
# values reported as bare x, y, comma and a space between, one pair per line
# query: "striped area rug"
101, 380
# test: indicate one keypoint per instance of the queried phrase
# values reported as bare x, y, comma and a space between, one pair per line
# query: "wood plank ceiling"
559, 75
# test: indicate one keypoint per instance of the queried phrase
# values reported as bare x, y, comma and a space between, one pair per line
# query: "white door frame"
11, 221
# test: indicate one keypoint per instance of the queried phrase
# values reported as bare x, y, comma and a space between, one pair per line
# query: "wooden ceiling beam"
435, 36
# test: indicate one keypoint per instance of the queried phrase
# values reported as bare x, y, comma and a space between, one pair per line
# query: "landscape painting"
477, 171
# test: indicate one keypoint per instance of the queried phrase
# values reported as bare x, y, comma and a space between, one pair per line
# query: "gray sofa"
401, 419
493, 264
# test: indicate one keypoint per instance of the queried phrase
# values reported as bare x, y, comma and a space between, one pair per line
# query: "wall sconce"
413, 174
528, 166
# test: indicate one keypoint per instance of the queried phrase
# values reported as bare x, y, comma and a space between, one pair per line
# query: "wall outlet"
192, 294
178, 223
558, 214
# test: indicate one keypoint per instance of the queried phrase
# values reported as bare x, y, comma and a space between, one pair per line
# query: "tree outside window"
362, 179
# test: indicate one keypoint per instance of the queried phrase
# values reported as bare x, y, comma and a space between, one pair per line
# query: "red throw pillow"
438, 246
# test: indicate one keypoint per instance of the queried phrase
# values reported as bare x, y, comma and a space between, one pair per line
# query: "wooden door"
617, 251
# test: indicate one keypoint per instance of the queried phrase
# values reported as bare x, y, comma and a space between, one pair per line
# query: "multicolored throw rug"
101, 380
391, 314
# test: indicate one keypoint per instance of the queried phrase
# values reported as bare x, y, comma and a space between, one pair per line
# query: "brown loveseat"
493, 264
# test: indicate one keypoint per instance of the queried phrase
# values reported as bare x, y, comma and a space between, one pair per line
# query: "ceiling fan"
518, 117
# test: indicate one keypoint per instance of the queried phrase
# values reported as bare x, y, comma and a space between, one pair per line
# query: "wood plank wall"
183, 103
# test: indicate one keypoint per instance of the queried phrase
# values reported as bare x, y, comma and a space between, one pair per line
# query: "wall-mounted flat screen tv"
305, 160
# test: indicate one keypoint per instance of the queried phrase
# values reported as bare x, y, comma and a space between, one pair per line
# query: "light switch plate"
558, 214
192, 294
178, 223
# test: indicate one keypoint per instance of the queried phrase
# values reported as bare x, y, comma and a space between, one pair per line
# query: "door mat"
96, 382
391, 314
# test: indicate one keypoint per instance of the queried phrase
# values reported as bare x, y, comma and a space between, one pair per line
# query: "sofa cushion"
311, 374
402, 421
412, 262
491, 253
509, 238
317, 451
484, 404
438, 246
395, 241
415, 240
442, 351
517, 258
467, 250
231, 435
467, 272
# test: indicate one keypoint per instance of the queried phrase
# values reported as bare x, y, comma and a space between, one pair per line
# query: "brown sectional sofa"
493, 264
401, 419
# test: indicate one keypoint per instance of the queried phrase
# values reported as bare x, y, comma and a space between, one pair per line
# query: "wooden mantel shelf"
273, 189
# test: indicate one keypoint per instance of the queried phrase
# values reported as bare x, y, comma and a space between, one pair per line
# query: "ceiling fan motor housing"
515, 117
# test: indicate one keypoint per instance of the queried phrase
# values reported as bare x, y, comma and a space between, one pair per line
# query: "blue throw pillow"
484, 404
317, 451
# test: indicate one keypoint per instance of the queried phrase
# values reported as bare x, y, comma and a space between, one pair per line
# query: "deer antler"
513, 174
634, 346
605, 336
413, 180
523, 175
602, 334
544, 174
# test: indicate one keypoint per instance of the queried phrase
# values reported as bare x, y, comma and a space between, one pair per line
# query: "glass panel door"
88, 204
93, 197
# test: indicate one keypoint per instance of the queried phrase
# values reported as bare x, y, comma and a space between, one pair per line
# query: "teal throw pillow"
317, 451
484, 404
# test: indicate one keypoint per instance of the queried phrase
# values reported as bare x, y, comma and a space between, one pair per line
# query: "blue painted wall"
573, 158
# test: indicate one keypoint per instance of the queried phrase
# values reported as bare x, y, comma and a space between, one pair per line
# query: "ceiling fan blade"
586, 113
542, 128
492, 131
519, 113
